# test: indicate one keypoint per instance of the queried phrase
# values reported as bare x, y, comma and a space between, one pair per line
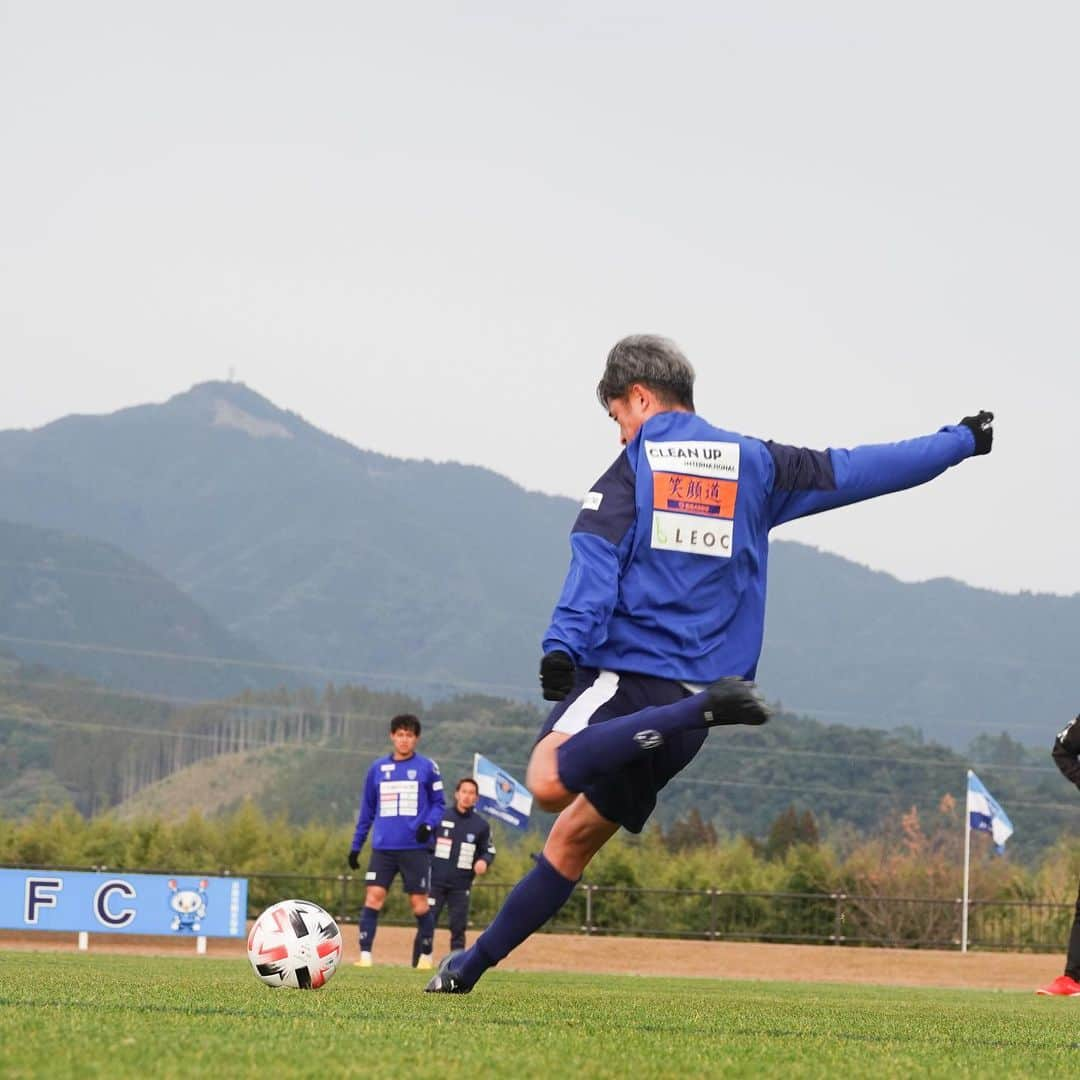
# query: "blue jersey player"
661, 617
401, 805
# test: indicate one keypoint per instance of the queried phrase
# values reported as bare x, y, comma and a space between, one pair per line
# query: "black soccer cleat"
446, 980
734, 701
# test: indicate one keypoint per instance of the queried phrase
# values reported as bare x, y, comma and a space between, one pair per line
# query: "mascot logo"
188, 907
504, 790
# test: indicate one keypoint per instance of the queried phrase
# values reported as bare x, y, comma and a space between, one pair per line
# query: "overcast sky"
421, 226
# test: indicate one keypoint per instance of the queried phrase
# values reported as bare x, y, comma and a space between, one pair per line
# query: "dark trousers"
456, 902
1072, 960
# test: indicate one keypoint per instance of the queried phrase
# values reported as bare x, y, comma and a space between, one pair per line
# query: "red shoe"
1062, 986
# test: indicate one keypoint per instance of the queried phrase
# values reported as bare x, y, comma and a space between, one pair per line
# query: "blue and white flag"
985, 813
501, 796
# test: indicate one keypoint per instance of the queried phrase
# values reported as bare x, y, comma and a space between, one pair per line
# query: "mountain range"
303, 559
88, 607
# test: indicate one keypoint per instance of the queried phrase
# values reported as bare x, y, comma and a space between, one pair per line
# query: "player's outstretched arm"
981, 426
436, 805
809, 481
366, 818
599, 539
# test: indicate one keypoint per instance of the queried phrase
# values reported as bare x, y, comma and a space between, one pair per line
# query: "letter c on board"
101, 904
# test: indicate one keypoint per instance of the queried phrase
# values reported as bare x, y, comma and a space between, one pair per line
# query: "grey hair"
653, 361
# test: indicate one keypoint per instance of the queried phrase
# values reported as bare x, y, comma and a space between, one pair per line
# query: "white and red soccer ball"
294, 943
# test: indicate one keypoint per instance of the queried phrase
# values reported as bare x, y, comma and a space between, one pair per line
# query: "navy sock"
369, 923
532, 901
425, 934
607, 747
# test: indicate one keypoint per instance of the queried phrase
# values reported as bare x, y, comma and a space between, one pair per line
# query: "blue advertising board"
66, 900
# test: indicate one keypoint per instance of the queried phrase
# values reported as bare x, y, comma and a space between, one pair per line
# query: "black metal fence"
724, 915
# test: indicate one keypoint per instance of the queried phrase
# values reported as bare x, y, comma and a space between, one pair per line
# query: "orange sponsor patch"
694, 495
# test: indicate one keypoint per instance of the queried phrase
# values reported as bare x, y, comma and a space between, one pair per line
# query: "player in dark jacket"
403, 800
463, 849
1066, 755
662, 613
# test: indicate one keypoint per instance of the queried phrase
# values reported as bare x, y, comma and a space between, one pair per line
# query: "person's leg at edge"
374, 898
425, 926
437, 899
579, 832
1072, 959
1068, 984
458, 903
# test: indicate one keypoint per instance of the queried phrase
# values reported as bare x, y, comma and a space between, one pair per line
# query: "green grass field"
68, 1015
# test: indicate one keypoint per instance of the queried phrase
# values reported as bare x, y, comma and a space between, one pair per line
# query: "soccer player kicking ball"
661, 617
403, 798
1066, 754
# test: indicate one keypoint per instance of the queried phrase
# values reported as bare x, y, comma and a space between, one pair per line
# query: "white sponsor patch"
694, 535
717, 460
437, 786
593, 500
370, 875
398, 798
465, 856
442, 847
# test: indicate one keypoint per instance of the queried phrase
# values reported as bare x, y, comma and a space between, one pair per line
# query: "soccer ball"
294, 943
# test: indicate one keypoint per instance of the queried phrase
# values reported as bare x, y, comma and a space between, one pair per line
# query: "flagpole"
967, 868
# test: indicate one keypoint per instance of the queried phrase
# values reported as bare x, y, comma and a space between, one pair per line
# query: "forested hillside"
62, 740
854, 645
89, 608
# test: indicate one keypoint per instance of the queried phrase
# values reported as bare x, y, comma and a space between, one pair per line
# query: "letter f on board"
39, 894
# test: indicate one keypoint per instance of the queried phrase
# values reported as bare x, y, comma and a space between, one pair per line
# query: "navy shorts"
627, 797
414, 866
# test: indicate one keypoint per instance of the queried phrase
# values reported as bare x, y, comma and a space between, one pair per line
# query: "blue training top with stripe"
669, 553
398, 796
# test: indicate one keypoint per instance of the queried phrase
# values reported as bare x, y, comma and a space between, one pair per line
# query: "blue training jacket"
398, 796
669, 553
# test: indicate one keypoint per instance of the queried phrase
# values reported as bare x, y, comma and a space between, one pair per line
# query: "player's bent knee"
542, 775
550, 795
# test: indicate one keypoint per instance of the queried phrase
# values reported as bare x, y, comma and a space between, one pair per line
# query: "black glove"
556, 675
354, 860
982, 427
423, 831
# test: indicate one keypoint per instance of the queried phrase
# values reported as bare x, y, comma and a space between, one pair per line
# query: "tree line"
672, 879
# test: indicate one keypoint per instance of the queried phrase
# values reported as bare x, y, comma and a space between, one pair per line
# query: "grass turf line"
68, 1015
